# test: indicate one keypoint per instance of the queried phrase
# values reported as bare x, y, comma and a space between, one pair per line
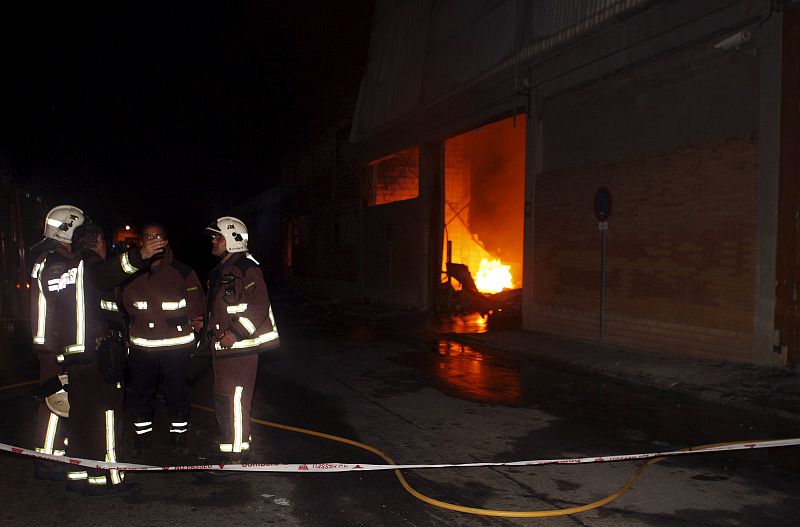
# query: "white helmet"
61, 222
235, 232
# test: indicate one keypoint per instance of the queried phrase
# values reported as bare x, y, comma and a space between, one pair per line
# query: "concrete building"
493, 125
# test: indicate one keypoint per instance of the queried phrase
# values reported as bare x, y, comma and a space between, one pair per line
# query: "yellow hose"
442, 504
451, 506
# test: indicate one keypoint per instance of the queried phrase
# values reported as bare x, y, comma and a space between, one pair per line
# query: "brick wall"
395, 178
680, 268
674, 139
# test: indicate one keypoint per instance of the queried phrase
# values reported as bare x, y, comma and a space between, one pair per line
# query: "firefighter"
53, 271
94, 361
162, 304
239, 324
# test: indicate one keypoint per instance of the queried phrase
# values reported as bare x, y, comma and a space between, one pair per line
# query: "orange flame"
493, 276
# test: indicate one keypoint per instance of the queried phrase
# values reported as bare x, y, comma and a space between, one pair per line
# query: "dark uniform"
162, 303
52, 320
238, 302
96, 393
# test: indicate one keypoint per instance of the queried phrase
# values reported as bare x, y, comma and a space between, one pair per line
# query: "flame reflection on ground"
474, 375
471, 323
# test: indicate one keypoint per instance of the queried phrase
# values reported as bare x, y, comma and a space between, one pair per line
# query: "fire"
493, 276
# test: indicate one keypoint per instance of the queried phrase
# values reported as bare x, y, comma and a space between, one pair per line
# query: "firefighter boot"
141, 443
49, 471
122, 490
179, 444
226, 458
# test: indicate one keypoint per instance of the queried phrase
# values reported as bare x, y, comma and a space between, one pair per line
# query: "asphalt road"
427, 401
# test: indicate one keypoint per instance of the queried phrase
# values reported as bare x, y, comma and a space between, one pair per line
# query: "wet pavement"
394, 381
772, 391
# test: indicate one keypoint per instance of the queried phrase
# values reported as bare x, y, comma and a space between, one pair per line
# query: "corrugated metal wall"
423, 51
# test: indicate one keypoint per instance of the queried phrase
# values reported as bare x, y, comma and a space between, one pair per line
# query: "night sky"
146, 111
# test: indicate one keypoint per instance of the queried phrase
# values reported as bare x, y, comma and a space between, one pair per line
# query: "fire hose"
651, 458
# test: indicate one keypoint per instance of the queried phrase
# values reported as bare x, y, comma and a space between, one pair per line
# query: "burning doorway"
483, 218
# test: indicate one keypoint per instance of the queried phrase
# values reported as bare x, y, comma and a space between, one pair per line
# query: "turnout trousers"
50, 428
96, 423
234, 380
146, 367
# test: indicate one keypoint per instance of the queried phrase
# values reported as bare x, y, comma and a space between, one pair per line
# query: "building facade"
486, 130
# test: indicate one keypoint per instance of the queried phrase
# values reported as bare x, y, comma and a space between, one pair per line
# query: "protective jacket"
95, 283
238, 302
96, 394
53, 300
162, 304
53, 325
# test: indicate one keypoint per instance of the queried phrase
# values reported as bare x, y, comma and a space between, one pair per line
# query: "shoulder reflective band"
249, 343
238, 308
126, 264
251, 284
140, 305
172, 306
108, 305
250, 257
248, 325
348, 467
41, 322
80, 316
190, 289
162, 343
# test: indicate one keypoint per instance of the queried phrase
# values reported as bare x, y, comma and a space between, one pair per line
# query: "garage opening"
483, 217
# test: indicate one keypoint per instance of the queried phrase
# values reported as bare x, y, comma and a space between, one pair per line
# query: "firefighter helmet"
58, 402
233, 230
61, 222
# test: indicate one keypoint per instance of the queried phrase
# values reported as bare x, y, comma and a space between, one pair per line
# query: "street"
428, 400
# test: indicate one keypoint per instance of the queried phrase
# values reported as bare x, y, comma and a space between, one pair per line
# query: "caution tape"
351, 467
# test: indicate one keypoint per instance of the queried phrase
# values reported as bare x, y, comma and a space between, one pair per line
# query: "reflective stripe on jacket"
53, 323
162, 304
238, 302
95, 282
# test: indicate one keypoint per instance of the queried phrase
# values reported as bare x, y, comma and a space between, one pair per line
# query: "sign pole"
603, 226
602, 211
